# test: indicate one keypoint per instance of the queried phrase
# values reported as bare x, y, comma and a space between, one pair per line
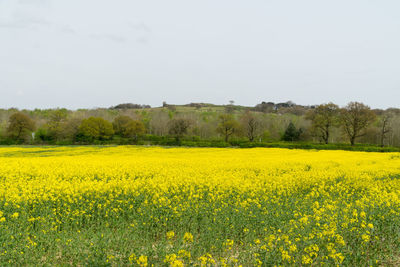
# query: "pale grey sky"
98, 53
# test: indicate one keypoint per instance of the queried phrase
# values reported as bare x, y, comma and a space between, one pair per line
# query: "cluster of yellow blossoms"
147, 206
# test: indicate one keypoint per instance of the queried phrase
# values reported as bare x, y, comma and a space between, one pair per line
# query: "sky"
99, 53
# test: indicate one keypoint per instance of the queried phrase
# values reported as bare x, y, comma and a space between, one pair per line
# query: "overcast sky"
98, 53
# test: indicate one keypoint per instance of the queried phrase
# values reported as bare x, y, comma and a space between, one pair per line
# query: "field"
113, 206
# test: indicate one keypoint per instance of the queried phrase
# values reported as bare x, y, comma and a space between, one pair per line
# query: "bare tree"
251, 125
178, 127
385, 126
159, 123
323, 118
355, 118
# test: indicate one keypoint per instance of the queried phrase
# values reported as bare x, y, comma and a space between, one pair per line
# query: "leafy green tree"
291, 133
42, 134
355, 119
95, 128
323, 118
20, 126
178, 127
120, 123
126, 127
134, 129
227, 126
55, 125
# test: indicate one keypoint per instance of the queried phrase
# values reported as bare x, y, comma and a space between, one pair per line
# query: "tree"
96, 128
120, 123
385, 126
71, 129
291, 133
265, 107
230, 108
355, 118
159, 123
126, 127
251, 125
323, 118
20, 126
178, 127
130, 106
134, 129
55, 125
227, 125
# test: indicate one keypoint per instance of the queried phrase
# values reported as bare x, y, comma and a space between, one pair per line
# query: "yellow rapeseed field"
145, 206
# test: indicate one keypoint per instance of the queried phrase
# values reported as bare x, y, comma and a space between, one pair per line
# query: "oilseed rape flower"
188, 238
142, 261
170, 234
183, 254
197, 206
173, 260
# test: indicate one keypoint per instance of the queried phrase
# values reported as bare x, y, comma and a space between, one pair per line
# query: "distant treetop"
130, 106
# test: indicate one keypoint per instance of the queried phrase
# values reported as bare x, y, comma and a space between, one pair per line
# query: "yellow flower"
365, 238
170, 258
170, 235
306, 260
187, 238
228, 244
142, 261
132, 258
183, 254
206, 259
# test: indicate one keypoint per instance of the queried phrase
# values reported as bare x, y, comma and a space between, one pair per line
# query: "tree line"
266, 122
